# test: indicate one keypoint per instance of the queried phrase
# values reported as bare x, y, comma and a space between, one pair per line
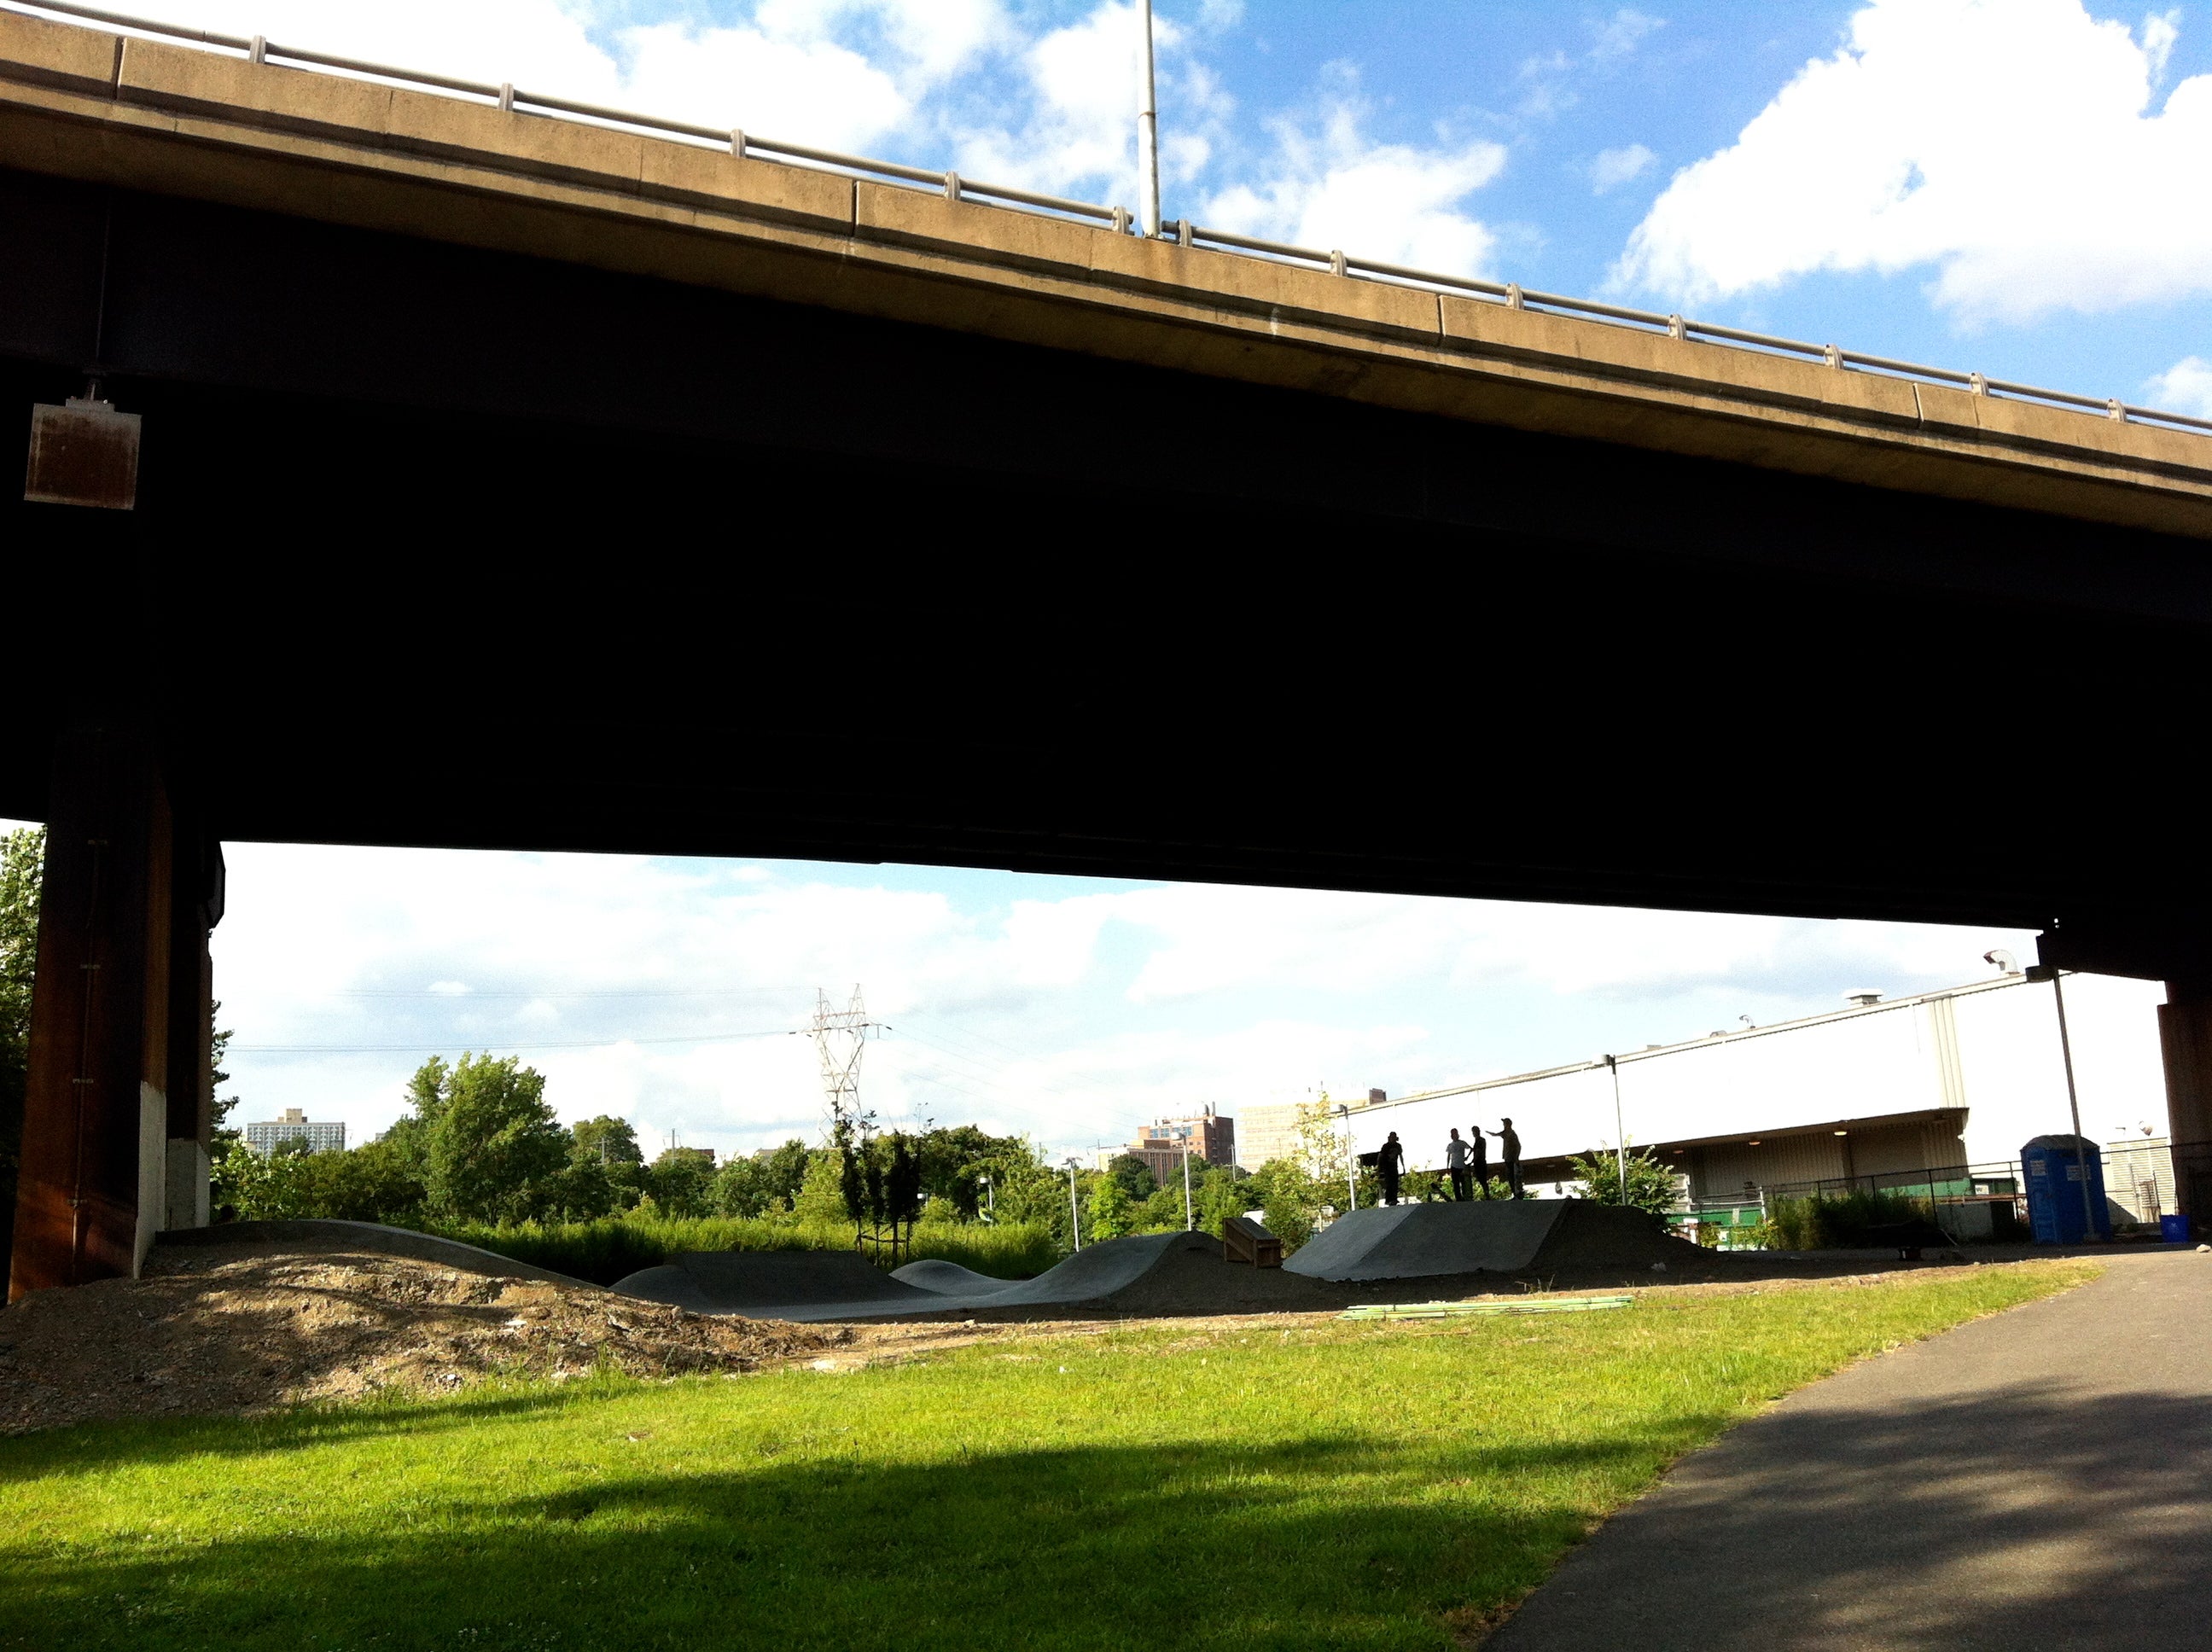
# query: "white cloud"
1620, 35
1396, 203
840, 73
2185, 387
667, 991
1613, 167
2010, 144
2160, 31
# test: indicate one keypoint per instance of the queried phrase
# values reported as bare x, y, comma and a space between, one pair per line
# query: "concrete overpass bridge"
508, 480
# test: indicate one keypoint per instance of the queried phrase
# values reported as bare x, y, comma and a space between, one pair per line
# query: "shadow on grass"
1345, 1542
90, 1446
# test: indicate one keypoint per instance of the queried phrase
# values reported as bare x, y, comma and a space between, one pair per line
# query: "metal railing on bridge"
742, 143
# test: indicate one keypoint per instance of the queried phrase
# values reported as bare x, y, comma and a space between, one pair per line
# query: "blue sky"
2012, 186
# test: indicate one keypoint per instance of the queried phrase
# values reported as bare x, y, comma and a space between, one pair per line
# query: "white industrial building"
1950, 1079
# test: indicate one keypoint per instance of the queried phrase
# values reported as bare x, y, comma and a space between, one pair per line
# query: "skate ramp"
320, 1236
762, 1284
809, 1286
1413, 1241
947, 1279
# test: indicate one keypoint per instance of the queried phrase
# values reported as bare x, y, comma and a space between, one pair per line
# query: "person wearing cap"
1387, 1164
1509, 1153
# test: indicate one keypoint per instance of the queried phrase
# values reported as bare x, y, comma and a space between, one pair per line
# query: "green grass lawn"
1353, 1485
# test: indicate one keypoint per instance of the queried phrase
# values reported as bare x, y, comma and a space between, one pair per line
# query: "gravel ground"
219, 1332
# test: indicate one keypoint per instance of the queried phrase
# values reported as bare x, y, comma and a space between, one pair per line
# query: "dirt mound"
1598, 1238
215, 1331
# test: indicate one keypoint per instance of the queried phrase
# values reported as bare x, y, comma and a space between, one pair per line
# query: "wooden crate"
1243, 1240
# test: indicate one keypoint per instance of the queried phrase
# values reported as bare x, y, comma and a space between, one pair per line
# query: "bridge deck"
147, 115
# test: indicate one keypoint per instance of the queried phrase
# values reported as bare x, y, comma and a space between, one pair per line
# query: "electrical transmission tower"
840, 1035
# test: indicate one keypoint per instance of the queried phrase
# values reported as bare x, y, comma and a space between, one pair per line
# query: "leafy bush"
1837, 1221
604, 1251
1652, 1187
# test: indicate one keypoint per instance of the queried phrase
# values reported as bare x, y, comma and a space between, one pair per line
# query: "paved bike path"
2040, 1479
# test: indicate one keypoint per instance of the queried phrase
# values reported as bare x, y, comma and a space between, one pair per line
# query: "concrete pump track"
1160, 1273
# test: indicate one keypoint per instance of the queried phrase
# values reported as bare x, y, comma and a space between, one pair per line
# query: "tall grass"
1839, 1221
603, 1251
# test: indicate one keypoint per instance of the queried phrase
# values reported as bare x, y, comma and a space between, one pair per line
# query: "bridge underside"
443, 547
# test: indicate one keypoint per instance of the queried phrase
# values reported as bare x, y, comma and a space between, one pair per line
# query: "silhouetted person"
1478, 1162
1509, 1153
1387, 1164
1456, 1162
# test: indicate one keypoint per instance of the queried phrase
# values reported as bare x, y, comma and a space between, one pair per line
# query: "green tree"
492, 1146
764, 1183
369, 1183
821, 1201
1135, 1177
607, 1138
1222, 1193
681, 1180
1651, 1185
23, 862
1112, 1213
1163, 1212
1027, 1190
955, 1159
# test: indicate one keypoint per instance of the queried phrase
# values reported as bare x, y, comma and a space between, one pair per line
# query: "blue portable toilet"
2054, 1167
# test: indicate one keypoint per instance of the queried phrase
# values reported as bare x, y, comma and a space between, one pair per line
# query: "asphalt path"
2040, 1479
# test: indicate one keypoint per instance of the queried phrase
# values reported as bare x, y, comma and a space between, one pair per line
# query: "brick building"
1212, 1137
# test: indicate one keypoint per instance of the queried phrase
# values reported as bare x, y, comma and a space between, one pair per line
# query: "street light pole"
1350, 1160
1619, 1132
1148, 135
1074, 1215
1189, 1222
2074, 1106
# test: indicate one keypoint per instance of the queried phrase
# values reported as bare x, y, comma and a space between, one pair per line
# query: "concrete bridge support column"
2185, 1035
113, 1151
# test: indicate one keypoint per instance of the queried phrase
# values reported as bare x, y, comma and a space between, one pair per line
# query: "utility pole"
1148, 133
1075, 1214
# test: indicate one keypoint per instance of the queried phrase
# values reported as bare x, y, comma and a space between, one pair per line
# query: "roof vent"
1862, 998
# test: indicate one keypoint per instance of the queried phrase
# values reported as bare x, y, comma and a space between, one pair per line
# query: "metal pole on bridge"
1148, 133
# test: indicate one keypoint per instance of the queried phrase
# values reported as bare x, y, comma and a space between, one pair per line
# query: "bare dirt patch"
215, 1331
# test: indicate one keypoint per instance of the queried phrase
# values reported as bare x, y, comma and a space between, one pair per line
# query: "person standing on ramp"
1478, 1161
1456, 1162
1387, 1164
1509, 1151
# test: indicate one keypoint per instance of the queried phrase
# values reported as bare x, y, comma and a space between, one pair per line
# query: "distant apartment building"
1209, 1136
1272, 1132
293, 1125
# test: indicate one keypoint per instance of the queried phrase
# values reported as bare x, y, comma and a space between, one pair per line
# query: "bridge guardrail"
741, 143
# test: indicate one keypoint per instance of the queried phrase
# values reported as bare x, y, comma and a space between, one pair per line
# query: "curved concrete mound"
319, 1237
1520, 1236
948, 1279
761, 1283
813, 1285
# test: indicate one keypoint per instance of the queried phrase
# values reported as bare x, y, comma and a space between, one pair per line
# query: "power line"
432, 1049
